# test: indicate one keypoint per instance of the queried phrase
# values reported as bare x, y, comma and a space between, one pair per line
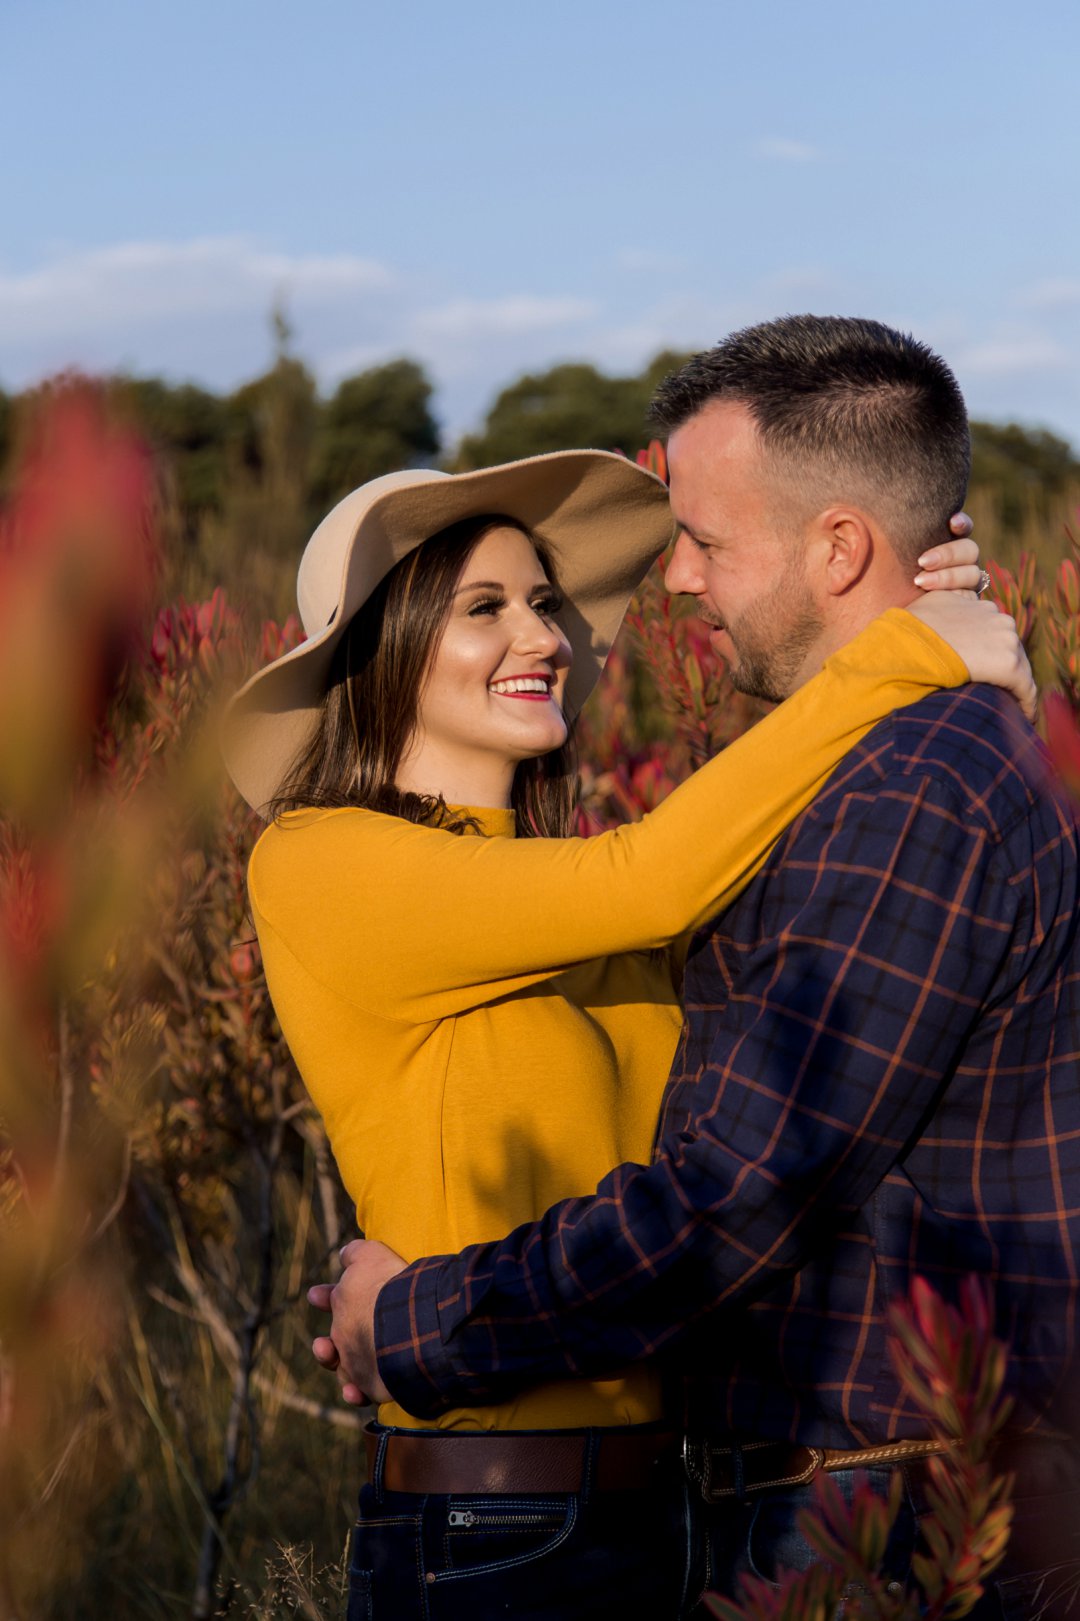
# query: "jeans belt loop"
588, 1469
695, 1462
738, 1471
380, 1467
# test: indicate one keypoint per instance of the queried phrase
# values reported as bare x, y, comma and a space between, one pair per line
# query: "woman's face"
494, 691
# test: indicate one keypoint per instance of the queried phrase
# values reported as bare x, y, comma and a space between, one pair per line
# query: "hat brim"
603, 519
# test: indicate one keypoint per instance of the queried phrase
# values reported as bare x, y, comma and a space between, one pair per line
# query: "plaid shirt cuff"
414, 1364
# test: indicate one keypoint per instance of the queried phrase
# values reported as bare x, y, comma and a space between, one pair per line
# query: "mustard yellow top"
486, 1024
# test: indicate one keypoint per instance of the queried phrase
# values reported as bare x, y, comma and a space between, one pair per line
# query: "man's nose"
683, 574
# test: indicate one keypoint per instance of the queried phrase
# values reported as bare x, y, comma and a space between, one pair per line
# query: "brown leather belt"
757, 1466
453, 1464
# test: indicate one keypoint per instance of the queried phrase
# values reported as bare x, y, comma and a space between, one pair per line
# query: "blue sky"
492, 187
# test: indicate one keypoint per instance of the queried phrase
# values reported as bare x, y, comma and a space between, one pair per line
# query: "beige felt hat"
603, 519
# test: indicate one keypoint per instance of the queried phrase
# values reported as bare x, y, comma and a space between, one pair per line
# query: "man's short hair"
848, 410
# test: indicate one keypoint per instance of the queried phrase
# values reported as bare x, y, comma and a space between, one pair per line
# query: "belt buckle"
700, 1460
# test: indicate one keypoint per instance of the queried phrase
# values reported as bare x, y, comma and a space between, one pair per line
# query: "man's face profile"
746, 570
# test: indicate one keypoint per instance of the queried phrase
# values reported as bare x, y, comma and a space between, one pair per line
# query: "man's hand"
349, 1349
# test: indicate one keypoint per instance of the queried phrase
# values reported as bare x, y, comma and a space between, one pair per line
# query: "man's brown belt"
494, 1463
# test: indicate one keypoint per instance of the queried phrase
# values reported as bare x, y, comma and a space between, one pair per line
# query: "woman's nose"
537, 634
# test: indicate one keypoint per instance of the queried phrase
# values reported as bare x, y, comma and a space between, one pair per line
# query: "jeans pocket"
487, 1535
775, 1547
385, 1561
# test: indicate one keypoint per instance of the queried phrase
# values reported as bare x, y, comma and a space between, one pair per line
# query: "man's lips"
715, 626
719, 639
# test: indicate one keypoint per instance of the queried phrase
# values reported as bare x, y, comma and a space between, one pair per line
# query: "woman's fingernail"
927, 559
922, 579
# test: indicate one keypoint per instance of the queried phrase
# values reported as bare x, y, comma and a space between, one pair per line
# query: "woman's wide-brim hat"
603, 519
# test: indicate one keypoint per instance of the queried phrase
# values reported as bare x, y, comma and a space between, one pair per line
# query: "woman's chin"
541, 740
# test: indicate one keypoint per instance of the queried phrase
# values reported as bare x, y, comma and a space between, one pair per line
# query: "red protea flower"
655, 459
1015, 593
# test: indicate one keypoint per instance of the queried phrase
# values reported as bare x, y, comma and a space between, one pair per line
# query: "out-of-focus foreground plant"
165, 1189
75, 575
953, 1369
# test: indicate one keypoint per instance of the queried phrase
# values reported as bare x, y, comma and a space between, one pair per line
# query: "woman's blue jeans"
556, 1556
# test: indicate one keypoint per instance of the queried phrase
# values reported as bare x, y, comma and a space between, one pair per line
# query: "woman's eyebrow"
497, 585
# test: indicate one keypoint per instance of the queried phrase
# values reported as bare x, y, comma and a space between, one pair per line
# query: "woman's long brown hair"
371, 708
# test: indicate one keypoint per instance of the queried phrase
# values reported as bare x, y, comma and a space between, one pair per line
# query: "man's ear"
843, 542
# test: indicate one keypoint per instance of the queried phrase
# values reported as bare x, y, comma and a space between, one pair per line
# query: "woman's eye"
547, 606
486, 605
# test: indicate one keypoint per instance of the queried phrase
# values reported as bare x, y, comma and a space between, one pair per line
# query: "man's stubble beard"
773, 637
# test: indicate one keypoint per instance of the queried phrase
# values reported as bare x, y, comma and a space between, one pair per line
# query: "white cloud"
512, 316
777, 146
117, 289
1007, 356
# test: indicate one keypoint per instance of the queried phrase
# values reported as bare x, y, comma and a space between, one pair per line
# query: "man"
878, 1076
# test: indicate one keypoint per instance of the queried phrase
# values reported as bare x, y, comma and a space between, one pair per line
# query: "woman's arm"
416, 924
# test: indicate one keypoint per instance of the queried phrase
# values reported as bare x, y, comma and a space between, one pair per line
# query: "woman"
486, 1021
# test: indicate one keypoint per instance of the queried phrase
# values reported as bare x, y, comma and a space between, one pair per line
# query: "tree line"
252, 471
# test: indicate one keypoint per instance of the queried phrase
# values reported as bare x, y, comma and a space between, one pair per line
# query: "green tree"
270, 423
1026, 470
376, 422
252, 544
187, 428
567, 407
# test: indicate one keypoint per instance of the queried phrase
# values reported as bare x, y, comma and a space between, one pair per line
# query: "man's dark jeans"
549, 1557
1038, 1581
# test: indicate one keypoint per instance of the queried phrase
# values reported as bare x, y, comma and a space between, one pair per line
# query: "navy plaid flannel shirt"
879, 1075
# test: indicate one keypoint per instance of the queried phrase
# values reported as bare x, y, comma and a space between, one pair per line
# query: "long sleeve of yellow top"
483, 1022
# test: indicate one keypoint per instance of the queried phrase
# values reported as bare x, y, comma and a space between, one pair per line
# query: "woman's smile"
533, 688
